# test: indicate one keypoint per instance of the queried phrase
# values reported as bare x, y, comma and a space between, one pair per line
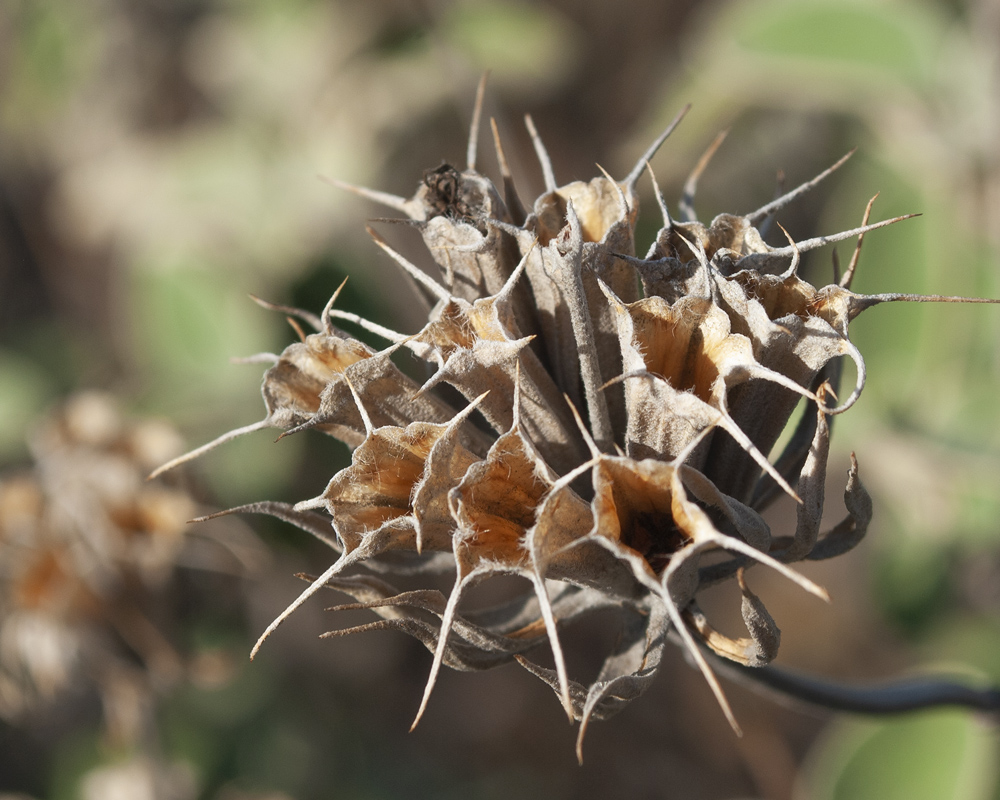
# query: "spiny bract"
618, 415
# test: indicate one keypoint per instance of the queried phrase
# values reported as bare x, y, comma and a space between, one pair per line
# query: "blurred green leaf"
47, 59
973, 641
400, 38
856, 34
931, 756
74, 756
254, 466
188, 739
912, 582
188, 323
25, 390
516, 41
979, 510
231, 704
277, 756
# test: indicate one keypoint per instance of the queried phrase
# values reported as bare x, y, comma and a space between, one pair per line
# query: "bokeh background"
159, 161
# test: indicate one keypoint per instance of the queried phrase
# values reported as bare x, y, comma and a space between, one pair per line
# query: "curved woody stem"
894, 697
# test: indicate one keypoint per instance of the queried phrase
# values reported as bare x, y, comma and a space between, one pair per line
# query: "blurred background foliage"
158, 161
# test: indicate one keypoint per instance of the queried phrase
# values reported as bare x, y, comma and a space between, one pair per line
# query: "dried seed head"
685, 367
85, 542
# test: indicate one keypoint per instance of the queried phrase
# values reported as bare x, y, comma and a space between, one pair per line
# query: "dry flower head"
618, 415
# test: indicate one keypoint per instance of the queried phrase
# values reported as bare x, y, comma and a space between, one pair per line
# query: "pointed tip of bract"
632, 178
543, 155
693, 650
552, 631
579, 739
848, 277
421, 710
788, 197
477, 114
205, 448
291, 311
382, 198
691, 185
308, 592
411, 269
214, 515
325, 318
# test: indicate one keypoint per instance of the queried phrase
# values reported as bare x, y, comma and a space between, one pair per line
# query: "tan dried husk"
685, 365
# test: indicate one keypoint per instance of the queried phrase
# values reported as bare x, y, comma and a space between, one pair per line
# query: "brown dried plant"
618, 415
87, 547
